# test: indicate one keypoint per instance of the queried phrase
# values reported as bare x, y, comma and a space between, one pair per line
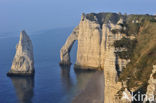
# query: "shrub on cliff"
127, 44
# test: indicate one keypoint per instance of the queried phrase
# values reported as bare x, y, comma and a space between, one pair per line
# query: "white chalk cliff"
96, 50
23, 62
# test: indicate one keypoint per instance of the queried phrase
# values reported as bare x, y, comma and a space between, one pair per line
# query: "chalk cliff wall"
89, 39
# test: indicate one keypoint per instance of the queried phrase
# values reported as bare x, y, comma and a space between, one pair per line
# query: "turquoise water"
52, 83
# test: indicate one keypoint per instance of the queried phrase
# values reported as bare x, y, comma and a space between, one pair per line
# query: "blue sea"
51, 83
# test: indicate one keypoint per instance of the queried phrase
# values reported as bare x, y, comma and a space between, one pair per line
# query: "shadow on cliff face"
24, 88
93, 92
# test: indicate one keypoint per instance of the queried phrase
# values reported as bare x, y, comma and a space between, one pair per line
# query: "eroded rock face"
23, 62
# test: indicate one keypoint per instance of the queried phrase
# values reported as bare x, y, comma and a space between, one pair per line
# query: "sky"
34, 15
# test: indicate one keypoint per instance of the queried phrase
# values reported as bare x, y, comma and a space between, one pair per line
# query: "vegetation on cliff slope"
134, 22
138, 71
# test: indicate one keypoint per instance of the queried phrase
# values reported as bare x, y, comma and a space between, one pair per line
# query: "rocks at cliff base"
23, 62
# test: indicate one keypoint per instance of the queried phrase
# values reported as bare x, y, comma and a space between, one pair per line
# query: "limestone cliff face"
89, 40
23, 62
110, 61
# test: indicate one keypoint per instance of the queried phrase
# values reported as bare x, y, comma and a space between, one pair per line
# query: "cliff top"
102, 18
105, 17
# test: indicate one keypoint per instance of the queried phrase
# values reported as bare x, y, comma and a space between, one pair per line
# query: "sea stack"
23, 62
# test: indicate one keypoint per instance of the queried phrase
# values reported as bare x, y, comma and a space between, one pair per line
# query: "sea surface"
51, 83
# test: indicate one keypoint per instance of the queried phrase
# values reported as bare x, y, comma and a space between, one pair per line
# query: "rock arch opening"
66, 49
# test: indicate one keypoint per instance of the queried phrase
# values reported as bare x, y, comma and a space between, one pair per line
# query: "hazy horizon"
37, 15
